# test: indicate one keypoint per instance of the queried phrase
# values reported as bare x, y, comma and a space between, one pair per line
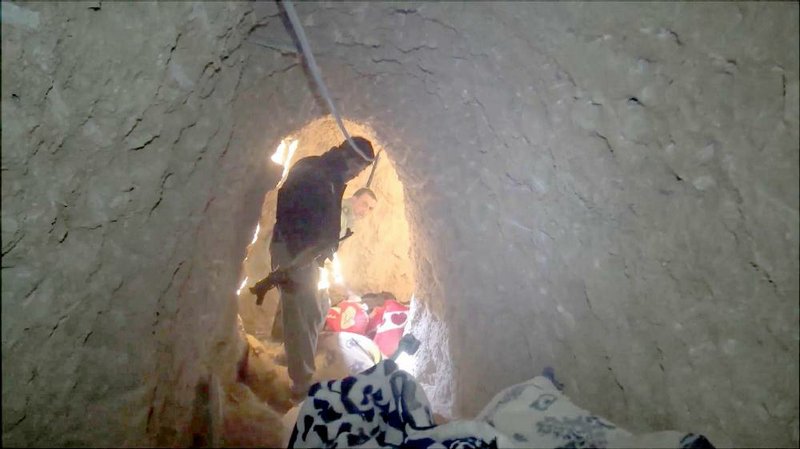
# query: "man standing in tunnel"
309, 214
355, 208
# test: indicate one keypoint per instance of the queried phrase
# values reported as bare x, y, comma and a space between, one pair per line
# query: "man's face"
354, 167
362, 205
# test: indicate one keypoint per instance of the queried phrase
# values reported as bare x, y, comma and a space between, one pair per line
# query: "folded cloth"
458, 435
342, 354
377, 408
347, 316
391, 321
382, 407
536, 413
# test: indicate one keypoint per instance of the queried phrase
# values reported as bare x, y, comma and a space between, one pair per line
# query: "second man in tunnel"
309, 214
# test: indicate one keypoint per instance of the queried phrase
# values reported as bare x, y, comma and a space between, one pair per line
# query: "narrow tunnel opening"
371, 269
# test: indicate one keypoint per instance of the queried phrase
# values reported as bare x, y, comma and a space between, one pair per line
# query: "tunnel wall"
608, 189
122, 186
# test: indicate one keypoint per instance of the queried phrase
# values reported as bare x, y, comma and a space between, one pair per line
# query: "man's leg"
301, 316
301, 324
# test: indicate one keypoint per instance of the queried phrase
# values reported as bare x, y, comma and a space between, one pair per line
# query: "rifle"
280, 275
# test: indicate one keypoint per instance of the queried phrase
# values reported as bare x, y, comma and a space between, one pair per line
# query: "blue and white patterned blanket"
537, 414
384, 407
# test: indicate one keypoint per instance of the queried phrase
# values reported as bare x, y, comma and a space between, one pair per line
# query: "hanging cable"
374, 166
315, 73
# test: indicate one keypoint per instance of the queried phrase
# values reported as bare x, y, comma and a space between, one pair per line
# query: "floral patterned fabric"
536, 414
385, 407
382, 407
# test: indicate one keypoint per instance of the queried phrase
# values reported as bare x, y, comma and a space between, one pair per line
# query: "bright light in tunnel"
338, 277
283, 156
407, 363
255, 234
280, 153
331, 269
292, 149
323, 279
241, 286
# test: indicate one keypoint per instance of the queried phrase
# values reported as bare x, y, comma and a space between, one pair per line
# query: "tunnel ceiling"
608, 189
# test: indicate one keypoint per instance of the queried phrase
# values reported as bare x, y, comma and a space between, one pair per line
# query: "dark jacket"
310, 202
